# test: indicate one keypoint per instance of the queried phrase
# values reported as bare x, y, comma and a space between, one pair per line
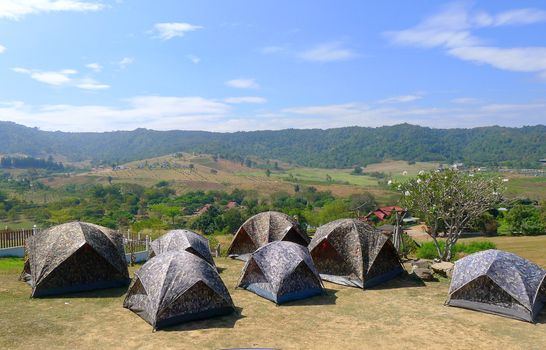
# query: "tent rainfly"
75, 257
352, 253
263, 228
281, 272
179, 240
175, 287
498, 282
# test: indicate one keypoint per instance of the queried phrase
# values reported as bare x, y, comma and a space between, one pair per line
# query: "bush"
427, 250
522, 220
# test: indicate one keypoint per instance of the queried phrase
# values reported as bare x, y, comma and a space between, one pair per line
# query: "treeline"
7, 162
159, 207
331, 148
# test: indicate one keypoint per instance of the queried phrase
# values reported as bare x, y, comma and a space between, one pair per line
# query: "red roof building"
382, 213
231, 205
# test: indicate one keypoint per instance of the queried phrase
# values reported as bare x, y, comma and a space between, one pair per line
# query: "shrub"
427, 250
522, 220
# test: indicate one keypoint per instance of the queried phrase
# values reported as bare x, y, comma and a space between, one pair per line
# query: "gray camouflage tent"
179, 240
263, 228
498, 282
175, 287
353, 253
281, 272
74, 257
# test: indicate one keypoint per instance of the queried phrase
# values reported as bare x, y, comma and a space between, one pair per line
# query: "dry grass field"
403, 313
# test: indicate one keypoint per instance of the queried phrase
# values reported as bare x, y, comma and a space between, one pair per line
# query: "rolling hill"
330, 148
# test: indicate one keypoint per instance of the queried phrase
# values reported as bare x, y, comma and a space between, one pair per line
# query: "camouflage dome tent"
176, 287
75, 257
352, 253
263, 228
180, 240
281, 272
498, 282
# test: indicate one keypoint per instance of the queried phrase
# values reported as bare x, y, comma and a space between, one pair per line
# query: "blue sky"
76, 65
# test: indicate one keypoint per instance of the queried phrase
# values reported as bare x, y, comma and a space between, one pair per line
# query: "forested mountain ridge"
341, 147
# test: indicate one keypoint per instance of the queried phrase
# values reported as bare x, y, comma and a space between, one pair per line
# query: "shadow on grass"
226, 321
327, 298
405, 280
99, 293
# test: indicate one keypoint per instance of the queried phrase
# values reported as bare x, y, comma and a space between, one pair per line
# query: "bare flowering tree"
448, 202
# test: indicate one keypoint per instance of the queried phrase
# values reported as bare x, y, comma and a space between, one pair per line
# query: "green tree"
448, 202
362, 203
357, 170
523, 220
336, 209
232, 220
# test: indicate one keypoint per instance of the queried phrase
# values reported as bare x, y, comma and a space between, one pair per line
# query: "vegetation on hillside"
331, 148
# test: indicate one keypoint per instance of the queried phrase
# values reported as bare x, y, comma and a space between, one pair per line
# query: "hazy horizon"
242, 66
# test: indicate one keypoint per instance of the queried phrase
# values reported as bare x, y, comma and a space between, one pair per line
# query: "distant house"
231, 205
381, 214
457, 166
204, 209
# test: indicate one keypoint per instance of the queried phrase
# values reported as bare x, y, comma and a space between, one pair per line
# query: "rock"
423, 273
443, 268
423, 263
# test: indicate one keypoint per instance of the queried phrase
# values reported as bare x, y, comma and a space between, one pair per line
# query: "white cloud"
125, 61
95, 67
64, 77
154, 112
328, 52
55, 78
451, 29
198, 113
2, 49
194, 59
328, 116
242, 83
245, 99
401, 99
166, 31
512, 17
16, 9
91, 84
521, 59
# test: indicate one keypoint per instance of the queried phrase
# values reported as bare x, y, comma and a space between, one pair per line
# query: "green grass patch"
427, 250
11, 263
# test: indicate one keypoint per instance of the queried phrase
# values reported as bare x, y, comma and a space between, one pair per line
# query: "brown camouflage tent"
179, 240
353, 253
498, 282
263, 228
75, 257
175, 287
281, 272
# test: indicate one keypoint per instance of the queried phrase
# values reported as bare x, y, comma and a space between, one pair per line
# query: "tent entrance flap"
374, 281
517, 314
343, 280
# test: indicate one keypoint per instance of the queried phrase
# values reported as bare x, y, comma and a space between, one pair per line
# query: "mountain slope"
342, 147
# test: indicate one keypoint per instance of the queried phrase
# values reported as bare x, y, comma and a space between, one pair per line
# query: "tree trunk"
438, 250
